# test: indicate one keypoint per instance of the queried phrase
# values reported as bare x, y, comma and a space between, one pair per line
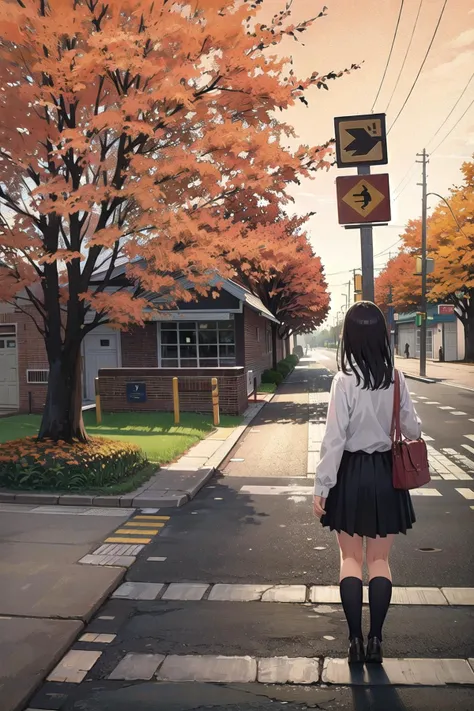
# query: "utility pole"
349, 293
423, 305
367, 251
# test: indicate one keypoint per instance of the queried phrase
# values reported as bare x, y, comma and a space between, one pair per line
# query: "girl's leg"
350, 584
380, 585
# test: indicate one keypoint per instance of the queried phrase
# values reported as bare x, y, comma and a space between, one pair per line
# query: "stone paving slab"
236, 670
189, 464
284, 670
74, 666
160, 499
114, 561
137, 666
285, 593
413, 672
237, 593
329, 594
459, 596
185, 591
138, 591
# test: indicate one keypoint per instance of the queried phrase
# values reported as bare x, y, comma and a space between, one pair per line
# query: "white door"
451, 341
8, 371
100, 351
406, 334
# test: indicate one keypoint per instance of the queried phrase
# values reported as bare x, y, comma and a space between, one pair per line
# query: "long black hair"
365, 347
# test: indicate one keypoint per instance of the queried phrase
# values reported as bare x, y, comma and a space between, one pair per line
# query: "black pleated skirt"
364, 501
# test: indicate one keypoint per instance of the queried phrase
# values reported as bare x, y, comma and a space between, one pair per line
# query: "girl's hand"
319, 505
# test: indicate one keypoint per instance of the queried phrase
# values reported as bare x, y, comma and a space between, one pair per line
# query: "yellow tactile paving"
127, 540
141, 517
136, 531
144, 524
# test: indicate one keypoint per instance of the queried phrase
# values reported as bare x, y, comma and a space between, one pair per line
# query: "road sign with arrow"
361, 140
363, 199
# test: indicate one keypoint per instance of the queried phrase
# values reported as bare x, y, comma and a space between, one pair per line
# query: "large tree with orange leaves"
126, 129
450, 241
277, 263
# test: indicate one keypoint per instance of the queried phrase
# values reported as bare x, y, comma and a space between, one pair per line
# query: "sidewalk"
171, 486
459, 374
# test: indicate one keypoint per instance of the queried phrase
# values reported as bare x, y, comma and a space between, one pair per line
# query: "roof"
237, 290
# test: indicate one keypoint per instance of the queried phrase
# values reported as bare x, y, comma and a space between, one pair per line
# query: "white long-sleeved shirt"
360, 420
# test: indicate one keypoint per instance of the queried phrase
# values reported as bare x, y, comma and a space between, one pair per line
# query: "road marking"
422, 397
471, 437
427, 438
459, 596
467, 493
156, 559
185, 591
432, 402
221, 669
264, 490
145, 524
115, 539
446, 407
137, 531
459, 412
468, 447
140, 517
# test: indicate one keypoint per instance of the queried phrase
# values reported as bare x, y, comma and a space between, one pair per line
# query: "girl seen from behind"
354, 493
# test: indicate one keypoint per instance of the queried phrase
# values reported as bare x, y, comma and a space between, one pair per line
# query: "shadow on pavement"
380, 697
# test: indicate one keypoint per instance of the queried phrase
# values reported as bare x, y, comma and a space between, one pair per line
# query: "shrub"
272, 376
29, 464
284, 368
292, 360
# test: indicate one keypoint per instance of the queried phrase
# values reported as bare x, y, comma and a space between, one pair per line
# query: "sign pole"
367, 251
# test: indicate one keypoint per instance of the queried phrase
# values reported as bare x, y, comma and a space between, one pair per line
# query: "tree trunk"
469, 336
274, 346
62, 415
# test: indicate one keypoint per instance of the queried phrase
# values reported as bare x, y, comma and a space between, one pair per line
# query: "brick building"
231, 337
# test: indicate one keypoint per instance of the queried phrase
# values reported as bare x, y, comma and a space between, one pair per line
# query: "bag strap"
396, 429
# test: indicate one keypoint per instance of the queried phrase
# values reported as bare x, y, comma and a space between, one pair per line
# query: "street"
244, 575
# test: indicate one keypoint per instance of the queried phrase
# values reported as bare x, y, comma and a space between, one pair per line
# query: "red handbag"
410, 457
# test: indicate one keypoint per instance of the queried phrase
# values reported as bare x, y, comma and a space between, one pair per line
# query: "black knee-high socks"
380, 594
351, 597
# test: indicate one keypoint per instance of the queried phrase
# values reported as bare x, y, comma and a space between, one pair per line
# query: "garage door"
100, 351
8, 368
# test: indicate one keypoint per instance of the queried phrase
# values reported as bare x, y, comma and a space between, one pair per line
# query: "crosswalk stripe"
467, 493
470, 436
141, 517
144, 524
268, 490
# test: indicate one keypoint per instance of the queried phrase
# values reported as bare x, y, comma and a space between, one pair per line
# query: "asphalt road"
229, 535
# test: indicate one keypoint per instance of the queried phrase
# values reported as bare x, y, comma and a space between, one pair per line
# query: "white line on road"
446, 407
471, 437
467, 493
459, 412
265, 490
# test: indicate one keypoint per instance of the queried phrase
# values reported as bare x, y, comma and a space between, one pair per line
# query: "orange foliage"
127, 128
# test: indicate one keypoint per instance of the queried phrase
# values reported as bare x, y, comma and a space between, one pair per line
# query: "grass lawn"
154, 432
267, 388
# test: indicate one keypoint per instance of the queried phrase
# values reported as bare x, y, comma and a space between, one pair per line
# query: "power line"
421, 67
406, 55
389, 54
410, 170
389, 248
450, 132
452, 110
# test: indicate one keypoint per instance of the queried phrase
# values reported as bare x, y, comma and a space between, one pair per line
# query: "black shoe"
356, 653
374, 651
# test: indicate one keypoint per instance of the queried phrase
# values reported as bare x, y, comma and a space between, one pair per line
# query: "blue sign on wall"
136, 392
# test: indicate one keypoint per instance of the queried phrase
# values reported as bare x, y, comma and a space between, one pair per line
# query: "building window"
204, 344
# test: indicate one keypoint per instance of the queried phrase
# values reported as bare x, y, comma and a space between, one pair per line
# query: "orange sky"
362, 31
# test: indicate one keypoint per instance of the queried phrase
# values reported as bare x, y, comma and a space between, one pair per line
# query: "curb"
146, 496
419, 378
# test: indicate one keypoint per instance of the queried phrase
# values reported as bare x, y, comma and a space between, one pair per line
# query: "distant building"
443, 330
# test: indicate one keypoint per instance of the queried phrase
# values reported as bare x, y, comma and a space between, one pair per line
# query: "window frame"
222, 361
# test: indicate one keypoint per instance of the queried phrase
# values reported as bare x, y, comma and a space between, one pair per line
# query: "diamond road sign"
362, 199
361, 140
